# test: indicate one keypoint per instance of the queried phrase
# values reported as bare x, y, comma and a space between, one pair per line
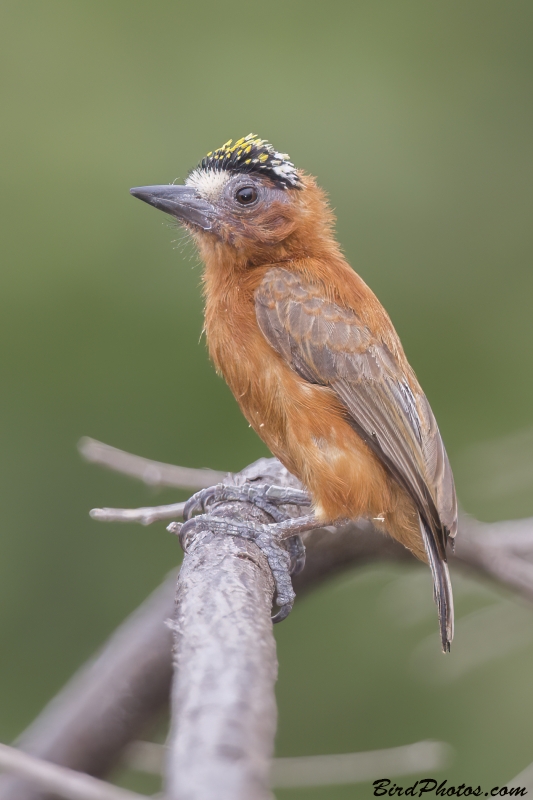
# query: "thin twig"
64, 782
146, 516
350, 768
265, 469
328, 770
153, 473
223, 706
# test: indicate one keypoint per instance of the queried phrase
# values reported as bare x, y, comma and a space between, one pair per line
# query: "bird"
313, 358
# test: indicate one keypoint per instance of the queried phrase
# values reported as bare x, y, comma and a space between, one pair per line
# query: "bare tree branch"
153, 473
142, 668
223, 705
117, 693
65, 783
500, 551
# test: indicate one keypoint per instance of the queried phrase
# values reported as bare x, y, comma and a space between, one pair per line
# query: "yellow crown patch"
252, 154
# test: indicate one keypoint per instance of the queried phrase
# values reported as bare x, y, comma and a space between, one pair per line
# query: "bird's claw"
284, 559
266, 497
199, 501
182, 531
282, 614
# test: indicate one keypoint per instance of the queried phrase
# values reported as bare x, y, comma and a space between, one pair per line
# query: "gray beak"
183, 202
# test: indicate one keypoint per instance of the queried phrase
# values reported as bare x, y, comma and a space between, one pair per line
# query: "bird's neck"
229, 289
230, 282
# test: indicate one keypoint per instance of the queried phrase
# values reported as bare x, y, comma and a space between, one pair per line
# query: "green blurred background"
417, 118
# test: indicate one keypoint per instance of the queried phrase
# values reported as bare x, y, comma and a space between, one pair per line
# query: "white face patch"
209, 183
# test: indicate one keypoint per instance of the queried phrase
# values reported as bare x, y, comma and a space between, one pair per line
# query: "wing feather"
328, 345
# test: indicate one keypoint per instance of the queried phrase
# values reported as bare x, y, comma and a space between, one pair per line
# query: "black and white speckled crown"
251, 154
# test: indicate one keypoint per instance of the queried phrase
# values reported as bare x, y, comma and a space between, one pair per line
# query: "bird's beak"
183, 202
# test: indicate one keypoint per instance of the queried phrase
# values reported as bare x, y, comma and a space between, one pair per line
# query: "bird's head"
248, 199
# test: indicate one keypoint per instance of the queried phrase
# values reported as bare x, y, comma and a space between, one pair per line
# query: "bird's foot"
269, 538
266, 497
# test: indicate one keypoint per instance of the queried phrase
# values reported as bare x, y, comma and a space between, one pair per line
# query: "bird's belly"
305, 426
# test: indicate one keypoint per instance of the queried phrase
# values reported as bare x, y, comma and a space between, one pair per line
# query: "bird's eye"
246, 195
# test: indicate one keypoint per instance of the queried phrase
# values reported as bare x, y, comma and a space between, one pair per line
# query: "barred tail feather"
442, 587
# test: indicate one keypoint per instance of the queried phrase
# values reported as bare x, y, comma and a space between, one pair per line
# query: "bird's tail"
442, 587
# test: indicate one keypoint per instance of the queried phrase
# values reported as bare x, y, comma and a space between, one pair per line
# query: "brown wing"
327, 344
